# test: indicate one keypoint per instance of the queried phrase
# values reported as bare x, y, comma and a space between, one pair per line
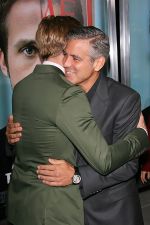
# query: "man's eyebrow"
75, 56
25, 42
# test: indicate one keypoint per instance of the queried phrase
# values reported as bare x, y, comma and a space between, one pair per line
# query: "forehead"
23, 19
78, 46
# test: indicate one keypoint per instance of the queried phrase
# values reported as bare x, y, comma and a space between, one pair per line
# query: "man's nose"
67, 62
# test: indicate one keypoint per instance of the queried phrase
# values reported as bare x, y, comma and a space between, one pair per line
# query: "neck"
57, 59
88, 84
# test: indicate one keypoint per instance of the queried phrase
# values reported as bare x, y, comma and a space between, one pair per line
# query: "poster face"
22, 22
22, 19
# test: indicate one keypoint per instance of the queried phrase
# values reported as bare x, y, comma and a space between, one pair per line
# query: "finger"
143, 174
46, 173
56, 161
145, 177
14, 127
13, 130
13, 141
148, 175
13, 136
48, 178
46, 167
142, 179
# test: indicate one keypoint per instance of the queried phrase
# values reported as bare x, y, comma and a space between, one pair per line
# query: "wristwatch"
76, 179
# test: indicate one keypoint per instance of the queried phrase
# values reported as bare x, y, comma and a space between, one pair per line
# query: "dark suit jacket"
112, 199
55, 115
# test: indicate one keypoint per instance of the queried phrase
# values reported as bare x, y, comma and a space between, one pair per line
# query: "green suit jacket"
55, 116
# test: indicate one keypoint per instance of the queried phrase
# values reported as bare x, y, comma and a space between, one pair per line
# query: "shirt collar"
54, 64
92, 91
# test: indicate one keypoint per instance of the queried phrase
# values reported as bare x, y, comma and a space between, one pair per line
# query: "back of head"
98, 40
51, 33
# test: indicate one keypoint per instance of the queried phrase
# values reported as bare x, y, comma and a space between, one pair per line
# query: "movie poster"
18, 57
80, 9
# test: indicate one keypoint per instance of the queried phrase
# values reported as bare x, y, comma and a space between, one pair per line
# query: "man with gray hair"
116, 108
113, 198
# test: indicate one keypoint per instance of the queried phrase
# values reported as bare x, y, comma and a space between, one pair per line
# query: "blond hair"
51, 33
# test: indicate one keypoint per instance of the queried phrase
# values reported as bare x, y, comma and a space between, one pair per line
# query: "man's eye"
76, 58
29, 51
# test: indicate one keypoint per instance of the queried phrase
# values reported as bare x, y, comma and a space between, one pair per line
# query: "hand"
145, 175
13, 131
57, 173
141, 123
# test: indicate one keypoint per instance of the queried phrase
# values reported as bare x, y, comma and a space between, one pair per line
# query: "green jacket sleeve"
74, 118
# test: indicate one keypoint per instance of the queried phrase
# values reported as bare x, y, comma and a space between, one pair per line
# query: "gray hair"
98, 40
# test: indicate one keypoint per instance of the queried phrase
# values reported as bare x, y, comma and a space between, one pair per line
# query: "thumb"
10, 119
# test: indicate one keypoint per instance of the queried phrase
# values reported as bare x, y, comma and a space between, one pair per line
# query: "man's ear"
3, 66
99, 63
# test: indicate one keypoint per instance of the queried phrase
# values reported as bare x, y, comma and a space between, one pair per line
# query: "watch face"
76, 179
